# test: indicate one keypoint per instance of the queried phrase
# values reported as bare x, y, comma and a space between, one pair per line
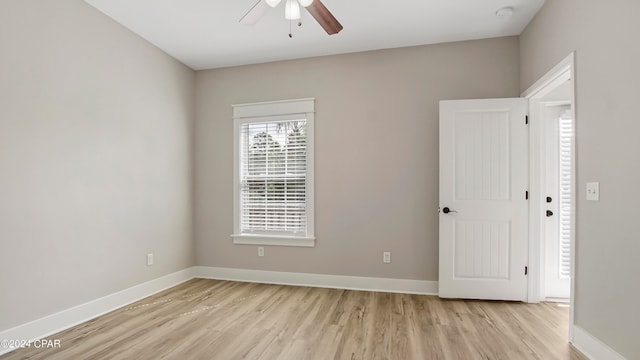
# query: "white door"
484, 210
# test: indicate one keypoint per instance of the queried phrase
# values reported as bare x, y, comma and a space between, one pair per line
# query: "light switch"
593, 191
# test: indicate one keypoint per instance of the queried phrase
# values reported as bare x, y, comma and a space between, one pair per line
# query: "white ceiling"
206, 34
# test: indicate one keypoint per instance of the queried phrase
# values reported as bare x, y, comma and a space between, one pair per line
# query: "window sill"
245, 239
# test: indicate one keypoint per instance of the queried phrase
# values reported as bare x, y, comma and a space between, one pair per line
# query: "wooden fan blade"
324, 17
256, 13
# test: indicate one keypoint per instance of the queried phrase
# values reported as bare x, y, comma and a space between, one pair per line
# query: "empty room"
319, 179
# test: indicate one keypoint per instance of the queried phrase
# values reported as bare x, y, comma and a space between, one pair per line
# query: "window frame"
275, 111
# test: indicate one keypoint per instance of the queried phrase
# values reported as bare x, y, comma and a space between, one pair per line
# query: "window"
273, 173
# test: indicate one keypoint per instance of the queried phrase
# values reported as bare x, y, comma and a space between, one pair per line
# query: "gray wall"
376, 146
605, 36
95, 158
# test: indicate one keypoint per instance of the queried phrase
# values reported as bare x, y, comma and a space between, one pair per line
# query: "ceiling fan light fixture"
305, 3
272, 3
292, 10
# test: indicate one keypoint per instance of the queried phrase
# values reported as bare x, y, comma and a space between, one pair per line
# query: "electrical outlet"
386, 257
260, 251
149, 259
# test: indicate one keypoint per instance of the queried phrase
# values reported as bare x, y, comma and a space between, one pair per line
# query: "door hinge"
526, 120
526, 195
526, 270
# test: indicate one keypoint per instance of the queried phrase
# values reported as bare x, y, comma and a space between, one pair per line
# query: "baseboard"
406, 286
557, 300
592, 347
65, 319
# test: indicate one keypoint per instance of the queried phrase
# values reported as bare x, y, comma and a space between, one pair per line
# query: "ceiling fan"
292, 12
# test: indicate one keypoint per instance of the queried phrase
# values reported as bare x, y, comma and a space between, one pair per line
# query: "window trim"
276, 110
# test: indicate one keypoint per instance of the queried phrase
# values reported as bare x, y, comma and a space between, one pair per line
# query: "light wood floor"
210, 319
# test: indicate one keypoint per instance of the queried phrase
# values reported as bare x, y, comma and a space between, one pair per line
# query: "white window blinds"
273, 177
565, 132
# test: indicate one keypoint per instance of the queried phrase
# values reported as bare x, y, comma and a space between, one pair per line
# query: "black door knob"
549, 213
549, 199
446, 210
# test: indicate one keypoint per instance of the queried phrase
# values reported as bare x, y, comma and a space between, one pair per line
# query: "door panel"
483, 179
481, 250
481, 165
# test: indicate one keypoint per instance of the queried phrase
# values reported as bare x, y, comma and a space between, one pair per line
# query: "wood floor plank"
211, 319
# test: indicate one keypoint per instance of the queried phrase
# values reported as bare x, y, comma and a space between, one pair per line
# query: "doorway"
552, 186
556, 178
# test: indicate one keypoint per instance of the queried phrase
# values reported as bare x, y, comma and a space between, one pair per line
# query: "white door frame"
564, 71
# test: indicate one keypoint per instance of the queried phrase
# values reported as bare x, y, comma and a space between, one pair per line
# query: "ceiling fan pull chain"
290, 32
